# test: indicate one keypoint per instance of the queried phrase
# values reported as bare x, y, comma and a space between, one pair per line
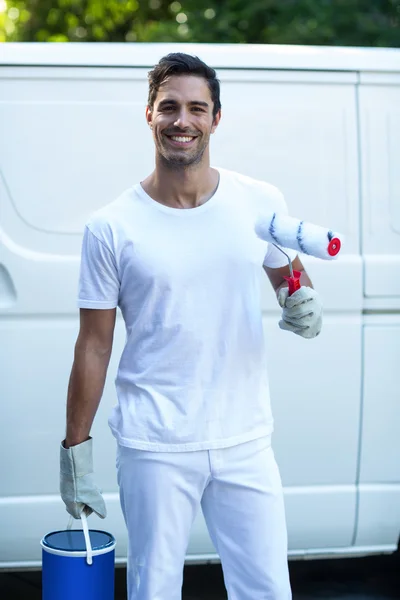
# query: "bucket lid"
73, 540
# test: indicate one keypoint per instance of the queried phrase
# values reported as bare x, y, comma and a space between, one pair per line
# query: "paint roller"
281, 230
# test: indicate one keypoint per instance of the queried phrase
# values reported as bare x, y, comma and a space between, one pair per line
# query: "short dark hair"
178, 63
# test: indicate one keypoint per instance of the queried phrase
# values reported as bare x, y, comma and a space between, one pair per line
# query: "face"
182, 120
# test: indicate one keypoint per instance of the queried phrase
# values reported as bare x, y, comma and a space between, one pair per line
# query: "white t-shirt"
193, 373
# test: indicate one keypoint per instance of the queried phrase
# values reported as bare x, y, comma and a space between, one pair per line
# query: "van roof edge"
220, 56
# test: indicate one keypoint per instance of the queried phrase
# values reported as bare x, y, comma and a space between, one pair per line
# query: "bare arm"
276, 275
92, 356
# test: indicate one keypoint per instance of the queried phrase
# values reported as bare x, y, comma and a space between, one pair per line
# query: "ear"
216, 121
149, 116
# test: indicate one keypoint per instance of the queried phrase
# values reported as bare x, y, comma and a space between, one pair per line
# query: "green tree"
320, 22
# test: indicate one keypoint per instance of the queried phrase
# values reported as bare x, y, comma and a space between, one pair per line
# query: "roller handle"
294, 282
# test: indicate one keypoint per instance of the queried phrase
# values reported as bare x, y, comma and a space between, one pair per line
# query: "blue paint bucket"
78, 564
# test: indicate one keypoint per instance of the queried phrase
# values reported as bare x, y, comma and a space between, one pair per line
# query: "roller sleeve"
301, 236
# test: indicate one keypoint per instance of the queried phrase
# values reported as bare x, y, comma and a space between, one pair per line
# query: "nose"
182, 118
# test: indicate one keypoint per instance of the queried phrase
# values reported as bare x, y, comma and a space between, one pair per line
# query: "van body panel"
378, 512
380, 151
380, 449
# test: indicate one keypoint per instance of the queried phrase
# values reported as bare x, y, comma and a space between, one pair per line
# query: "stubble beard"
181, 160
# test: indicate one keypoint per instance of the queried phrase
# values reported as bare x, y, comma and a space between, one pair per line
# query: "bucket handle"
89, 552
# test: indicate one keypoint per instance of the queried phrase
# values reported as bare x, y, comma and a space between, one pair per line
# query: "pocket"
118, 461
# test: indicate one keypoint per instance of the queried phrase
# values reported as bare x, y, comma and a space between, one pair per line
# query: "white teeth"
181, 138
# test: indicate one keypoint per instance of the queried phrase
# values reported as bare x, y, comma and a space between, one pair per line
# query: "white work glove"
77, 486
302, 311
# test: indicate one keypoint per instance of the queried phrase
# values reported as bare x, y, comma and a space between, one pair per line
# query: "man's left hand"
302, 311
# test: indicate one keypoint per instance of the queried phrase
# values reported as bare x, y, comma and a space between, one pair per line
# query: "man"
179, 255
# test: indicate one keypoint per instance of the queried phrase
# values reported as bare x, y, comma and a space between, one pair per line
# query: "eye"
198, 109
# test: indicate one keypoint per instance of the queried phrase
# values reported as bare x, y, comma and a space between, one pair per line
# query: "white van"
323, 124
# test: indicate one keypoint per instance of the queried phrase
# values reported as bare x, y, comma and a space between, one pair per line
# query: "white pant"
240, 492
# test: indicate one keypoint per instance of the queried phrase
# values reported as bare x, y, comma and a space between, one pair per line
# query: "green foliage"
320, 22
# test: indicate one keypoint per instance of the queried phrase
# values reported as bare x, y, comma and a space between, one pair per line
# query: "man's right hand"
77, 486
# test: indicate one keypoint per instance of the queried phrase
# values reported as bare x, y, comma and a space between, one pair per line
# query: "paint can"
78, 564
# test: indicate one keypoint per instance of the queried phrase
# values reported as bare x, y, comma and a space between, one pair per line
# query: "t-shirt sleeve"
274, 258
98, 278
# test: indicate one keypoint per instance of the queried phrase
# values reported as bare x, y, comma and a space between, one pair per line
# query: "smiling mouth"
181, 139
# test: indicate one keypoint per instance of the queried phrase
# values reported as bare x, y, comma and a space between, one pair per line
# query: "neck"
182, 187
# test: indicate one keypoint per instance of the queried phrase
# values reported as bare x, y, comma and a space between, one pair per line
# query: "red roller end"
334, 246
